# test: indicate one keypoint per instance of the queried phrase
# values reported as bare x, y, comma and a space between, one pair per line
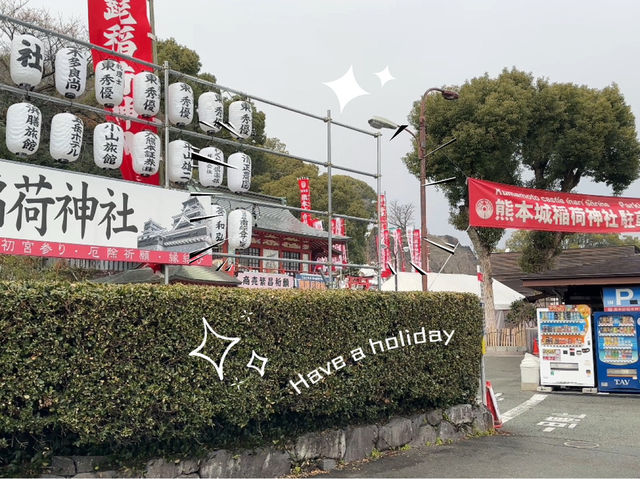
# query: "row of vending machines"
574, 354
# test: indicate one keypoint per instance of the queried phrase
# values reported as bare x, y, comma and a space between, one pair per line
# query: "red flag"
399, 250
338, 229
123, 26
305, 200
417, 248
385, 257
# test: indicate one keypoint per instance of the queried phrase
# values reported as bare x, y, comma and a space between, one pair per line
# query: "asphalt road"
554, 435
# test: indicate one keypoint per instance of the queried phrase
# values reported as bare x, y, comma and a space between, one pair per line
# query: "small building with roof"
584, 284
506, 268
277, 233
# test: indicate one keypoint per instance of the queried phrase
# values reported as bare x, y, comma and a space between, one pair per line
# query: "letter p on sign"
623, 294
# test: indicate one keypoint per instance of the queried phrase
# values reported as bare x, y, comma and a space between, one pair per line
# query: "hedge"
106, 369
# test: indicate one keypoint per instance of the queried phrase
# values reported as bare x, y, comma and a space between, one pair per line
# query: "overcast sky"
285, 50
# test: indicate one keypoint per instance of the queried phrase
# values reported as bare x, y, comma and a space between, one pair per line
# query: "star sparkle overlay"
385, 76
262, 366
346, 88
219, 366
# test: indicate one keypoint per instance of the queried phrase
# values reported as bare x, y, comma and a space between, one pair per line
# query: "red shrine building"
277, 233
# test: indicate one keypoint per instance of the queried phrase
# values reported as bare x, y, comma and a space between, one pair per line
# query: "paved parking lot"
545, 435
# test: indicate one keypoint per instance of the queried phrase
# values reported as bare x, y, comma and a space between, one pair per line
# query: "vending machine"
617, 350
566, 351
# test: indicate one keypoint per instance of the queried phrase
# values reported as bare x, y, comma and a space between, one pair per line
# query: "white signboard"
46, 205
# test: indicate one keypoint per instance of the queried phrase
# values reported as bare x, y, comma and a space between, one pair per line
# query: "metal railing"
167, 129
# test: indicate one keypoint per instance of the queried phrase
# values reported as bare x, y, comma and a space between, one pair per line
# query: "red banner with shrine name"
494, 205
305, 200
123, 26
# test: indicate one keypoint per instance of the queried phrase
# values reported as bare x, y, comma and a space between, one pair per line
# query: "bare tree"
401, 214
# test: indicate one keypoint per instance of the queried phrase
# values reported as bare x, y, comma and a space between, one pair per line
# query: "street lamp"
378, 123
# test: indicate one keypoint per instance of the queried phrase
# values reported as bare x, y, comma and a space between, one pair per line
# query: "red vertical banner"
399, 250
338, 229
343, 232
123, 26
385, 256
409, 237
305, 200
417, 248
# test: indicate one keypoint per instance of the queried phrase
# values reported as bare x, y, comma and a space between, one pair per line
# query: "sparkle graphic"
218, 366
238, 384
346, 88
262, 367
385, 76
246, 315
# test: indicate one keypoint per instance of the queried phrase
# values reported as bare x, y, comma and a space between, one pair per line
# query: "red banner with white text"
338, 228
384, 245
417, 248
305, 200
494, 205
123, 26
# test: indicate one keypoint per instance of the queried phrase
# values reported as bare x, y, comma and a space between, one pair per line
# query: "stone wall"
324, 449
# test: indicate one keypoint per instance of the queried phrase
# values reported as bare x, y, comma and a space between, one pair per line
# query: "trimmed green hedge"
103, 369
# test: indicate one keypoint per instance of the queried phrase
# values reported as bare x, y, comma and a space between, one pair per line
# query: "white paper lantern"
109, 83
108, 145
27, 60
23, 129
218, 225
146, 94
239, 229
239, 179
210, 110
66, 137
179, 163
240, 118
180, 104
208, 174
145, 153
71, 72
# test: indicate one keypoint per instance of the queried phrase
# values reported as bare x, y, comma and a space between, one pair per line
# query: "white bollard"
529, 373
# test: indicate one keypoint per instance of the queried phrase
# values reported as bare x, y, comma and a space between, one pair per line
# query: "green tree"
521, 311
489, 120
349, 197
520, 240
180, 58
513, 124
578, 132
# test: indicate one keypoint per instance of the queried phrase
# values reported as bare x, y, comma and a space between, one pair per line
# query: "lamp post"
379, 122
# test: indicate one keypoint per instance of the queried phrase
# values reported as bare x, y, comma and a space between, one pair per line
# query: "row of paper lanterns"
26, 68
238, 225
23, 139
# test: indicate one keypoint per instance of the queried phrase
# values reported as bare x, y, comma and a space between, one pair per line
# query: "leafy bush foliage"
522, 311
105, 369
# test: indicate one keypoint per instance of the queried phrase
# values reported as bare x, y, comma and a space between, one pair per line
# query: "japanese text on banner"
495, 205
123, 26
